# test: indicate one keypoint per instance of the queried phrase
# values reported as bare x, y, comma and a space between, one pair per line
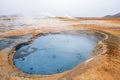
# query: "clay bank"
60, 54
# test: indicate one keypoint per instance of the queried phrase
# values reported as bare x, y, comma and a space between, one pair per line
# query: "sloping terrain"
113, 16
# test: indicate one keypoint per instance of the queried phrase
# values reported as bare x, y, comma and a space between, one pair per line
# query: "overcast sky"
74, 8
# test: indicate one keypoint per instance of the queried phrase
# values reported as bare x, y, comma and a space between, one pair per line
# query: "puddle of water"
54, 53
5, 43
14, 40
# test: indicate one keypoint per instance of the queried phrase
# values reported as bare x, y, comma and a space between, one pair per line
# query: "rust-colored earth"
104, 65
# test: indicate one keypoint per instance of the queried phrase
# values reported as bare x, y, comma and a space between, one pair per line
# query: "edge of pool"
97, 65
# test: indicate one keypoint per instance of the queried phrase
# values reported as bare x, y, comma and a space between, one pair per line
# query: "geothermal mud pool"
97, 59
54, 53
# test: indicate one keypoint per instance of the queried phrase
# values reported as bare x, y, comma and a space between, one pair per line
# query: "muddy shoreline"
77, 32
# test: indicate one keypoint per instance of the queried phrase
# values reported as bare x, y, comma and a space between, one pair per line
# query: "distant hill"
113, 16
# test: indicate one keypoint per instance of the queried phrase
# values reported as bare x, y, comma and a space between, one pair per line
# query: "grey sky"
75, 8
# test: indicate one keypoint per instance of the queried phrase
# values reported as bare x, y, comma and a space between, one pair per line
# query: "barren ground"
104, 65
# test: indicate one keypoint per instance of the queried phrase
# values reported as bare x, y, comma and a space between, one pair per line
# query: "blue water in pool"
54, 53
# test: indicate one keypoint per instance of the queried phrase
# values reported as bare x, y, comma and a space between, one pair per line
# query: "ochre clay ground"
104, 65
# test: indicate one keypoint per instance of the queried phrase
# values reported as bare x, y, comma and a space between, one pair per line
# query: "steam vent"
59, 48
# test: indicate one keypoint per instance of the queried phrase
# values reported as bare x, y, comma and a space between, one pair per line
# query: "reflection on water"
54, 53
